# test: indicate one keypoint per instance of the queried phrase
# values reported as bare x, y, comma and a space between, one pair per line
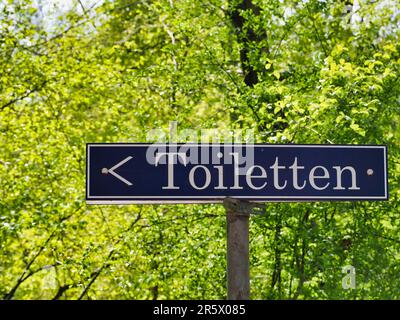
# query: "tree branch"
27, 94
105, 264
27, 272
96, 274
247, 36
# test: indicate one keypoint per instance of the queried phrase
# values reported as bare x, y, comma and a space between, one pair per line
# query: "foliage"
295, 71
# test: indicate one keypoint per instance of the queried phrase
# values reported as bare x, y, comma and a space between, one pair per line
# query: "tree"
295, 71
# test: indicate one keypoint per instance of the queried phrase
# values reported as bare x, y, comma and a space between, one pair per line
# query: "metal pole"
238, 265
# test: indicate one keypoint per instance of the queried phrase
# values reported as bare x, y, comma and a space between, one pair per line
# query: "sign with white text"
208, 173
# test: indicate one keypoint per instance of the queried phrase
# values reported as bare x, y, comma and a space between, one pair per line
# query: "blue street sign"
201, 173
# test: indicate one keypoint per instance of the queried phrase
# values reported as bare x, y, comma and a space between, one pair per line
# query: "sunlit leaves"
324, 75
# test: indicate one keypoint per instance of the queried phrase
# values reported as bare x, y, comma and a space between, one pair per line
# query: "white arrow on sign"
111, 170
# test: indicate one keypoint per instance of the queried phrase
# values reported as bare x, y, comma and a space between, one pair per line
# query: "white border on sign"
219, 199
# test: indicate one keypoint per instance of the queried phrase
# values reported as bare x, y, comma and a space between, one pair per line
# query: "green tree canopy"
310, 71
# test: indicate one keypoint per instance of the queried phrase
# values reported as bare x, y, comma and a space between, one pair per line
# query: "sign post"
237, 176
238, 265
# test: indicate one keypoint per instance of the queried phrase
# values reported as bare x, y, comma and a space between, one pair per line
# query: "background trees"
294, 71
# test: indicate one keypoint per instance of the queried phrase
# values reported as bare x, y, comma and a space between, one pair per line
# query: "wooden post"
238, 264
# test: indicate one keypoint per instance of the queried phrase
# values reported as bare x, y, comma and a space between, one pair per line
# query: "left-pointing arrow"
111, 170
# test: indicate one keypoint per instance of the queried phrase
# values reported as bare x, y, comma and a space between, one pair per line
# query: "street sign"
201, 173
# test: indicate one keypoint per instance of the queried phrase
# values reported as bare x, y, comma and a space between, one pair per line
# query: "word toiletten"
194, 173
